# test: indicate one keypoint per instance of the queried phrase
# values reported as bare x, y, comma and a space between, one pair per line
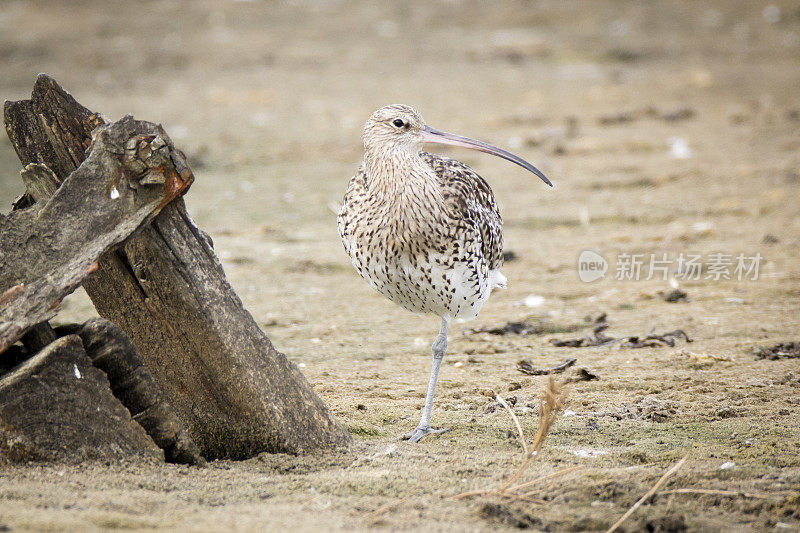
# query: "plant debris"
647, 408
582, 374
526, 367
509, 255
530, 325
626, 117
512, 515
783, 350
620, 117
597, 338
655, 341
647, 496
516, 328
681, 113
675, 295
550, 407
599, 319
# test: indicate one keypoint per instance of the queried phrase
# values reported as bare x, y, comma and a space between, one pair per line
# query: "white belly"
432, 284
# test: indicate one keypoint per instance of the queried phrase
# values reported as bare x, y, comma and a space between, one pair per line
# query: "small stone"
587, 452
679, 148
771, 14
533, 300
389, 451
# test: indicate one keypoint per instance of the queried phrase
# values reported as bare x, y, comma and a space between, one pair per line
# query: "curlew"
422, 229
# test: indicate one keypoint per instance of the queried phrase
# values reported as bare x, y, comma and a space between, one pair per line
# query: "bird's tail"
497, 280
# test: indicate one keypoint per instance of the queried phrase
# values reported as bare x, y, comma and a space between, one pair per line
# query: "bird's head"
395, 126
401, 127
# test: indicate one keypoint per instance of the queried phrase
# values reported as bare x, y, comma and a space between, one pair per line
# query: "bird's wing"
470, 201
348, 212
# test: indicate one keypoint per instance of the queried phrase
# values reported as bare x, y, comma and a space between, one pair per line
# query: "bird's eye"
398, 123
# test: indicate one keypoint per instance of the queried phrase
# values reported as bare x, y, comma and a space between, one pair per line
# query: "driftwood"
164, 286
48, 249
58, 406
54, 243
132, 383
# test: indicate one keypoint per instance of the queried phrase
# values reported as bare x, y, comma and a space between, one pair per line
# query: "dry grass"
550, 407
719, 492
647, 496
502, 402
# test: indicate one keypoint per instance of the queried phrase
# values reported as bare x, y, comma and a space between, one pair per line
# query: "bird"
424, 230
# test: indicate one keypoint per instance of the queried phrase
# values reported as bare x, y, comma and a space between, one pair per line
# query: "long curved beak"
431, 135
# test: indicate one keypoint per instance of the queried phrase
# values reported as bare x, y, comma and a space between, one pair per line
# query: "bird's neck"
398, 176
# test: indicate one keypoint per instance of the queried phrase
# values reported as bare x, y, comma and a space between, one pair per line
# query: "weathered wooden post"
166, 289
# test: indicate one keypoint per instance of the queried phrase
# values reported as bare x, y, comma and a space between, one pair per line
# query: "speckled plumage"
432, 241
422, 229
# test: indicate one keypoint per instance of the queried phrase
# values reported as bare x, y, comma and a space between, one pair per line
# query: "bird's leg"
437, 349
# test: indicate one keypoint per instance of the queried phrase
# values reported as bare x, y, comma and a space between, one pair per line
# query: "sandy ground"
667, 127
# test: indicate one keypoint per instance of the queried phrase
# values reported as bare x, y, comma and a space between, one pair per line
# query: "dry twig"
548, 476
382, 509
648, 495
718, 492
526, 367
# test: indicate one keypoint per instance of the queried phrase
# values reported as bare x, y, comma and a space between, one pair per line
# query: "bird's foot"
419, 432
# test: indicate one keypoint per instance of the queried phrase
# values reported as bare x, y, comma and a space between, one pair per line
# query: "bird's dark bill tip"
541, 175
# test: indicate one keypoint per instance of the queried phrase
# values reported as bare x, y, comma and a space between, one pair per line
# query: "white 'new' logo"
591, 266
